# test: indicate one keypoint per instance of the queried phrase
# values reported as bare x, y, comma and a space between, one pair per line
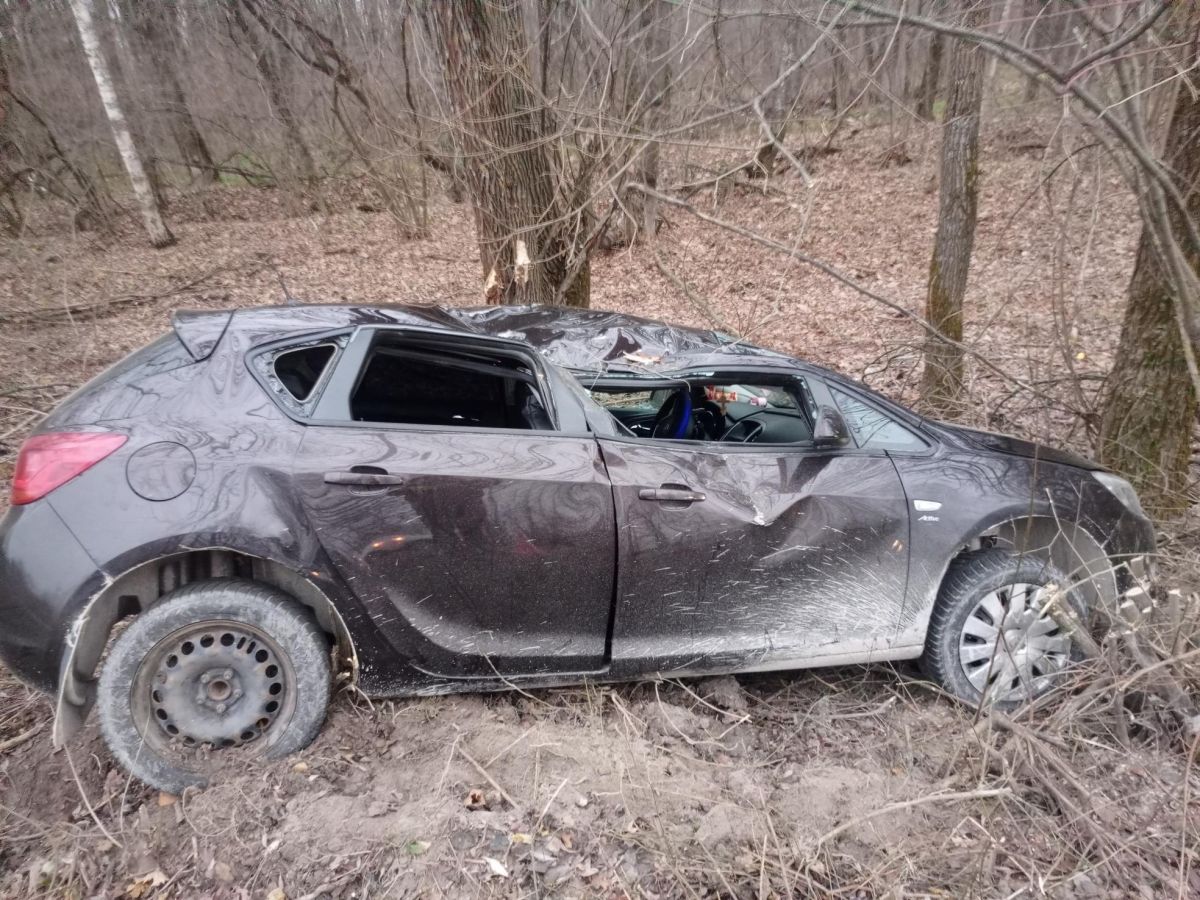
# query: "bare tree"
932, 75
1150, 405
528, 216
649, 83
267, 65
156, 26
160, 235
941, 386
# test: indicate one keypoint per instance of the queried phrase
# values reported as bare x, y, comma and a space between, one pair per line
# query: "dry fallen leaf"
476, 799
496, 866
165, 799
143, 885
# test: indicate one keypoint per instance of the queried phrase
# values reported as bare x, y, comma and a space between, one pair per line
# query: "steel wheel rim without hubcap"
216, 684
1010, 648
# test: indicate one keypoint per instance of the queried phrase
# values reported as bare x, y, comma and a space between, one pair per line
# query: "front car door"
468, 511
754, 555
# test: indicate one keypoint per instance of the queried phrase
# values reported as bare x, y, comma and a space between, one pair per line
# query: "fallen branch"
13, 743
953, 796
490, 780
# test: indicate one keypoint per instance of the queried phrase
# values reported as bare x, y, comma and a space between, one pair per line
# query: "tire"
216, 671
958, 652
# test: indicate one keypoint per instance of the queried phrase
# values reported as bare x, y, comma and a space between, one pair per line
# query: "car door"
481, 539
754, 556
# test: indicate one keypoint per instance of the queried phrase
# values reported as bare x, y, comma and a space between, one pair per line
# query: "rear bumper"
43, 573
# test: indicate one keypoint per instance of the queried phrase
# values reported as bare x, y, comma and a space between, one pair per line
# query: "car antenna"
288, 298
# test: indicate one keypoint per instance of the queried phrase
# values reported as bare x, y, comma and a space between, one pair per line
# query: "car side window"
872, 429
300, 371
408, 382
731, 409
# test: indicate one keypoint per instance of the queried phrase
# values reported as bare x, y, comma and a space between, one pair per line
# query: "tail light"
48, 461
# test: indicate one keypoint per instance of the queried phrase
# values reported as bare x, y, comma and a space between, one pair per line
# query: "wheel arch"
139, 587
1069, 546
1066, 545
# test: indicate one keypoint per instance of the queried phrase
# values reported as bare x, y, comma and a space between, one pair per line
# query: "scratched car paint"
563, 538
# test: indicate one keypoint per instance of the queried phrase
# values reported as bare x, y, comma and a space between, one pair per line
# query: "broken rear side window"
299, 371
426, 385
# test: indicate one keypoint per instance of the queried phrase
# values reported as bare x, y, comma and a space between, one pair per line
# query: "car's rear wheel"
215, 671
992, 638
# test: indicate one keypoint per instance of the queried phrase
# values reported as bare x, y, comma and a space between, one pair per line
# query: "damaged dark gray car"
443, 500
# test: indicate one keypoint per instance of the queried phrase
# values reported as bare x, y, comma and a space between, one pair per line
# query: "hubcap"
221, 684
1010, 647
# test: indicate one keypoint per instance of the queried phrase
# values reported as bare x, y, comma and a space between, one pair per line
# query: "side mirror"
831, 430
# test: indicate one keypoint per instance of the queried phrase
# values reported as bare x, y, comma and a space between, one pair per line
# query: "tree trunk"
1150, 407
649, 96
160, 236
932, 76
268, 71
530, 244
159, 42
942, 383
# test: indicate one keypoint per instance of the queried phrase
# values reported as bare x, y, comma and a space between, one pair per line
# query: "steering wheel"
709, 419
754, 430
675, 417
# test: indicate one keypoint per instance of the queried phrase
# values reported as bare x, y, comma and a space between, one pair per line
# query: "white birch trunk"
160, 236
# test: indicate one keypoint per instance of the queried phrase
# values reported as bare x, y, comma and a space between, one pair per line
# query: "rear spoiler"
200, 332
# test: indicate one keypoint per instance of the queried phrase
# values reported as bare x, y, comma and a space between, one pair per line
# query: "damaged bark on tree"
528, 222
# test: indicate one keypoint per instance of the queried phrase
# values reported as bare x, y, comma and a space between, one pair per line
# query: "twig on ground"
492, 781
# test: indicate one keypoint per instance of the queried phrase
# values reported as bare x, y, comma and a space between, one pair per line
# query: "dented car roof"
583, 340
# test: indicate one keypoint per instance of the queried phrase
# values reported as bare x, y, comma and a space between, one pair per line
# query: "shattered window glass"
299, 371
871, 428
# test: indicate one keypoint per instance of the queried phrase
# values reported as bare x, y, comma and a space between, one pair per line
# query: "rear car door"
468, 511
755, 555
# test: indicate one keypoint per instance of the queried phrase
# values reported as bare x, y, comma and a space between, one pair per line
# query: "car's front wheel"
215, 671
992, 638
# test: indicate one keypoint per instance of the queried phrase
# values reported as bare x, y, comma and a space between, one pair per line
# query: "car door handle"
370, 476
671, 494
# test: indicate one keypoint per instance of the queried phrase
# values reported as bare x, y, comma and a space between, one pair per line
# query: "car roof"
583, 340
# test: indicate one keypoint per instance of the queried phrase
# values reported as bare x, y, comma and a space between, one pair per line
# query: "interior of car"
712, 409
411, 384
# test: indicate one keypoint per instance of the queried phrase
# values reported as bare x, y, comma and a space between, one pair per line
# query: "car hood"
1013, 446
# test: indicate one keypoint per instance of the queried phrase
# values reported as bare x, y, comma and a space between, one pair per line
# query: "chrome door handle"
671, 495
363, 475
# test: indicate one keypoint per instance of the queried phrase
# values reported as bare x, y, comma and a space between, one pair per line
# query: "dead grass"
852, 782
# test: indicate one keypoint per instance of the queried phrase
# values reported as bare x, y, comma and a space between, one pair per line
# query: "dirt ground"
846, 783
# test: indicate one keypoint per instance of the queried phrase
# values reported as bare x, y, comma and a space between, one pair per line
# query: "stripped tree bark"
1150, 405
528, 221
160, 235
941, 386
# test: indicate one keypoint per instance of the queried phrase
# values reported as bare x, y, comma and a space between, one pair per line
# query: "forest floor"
858, 782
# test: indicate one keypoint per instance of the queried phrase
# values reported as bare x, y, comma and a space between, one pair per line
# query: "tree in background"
156, 25
160, 235
1150, 407
941, 386
527, 219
